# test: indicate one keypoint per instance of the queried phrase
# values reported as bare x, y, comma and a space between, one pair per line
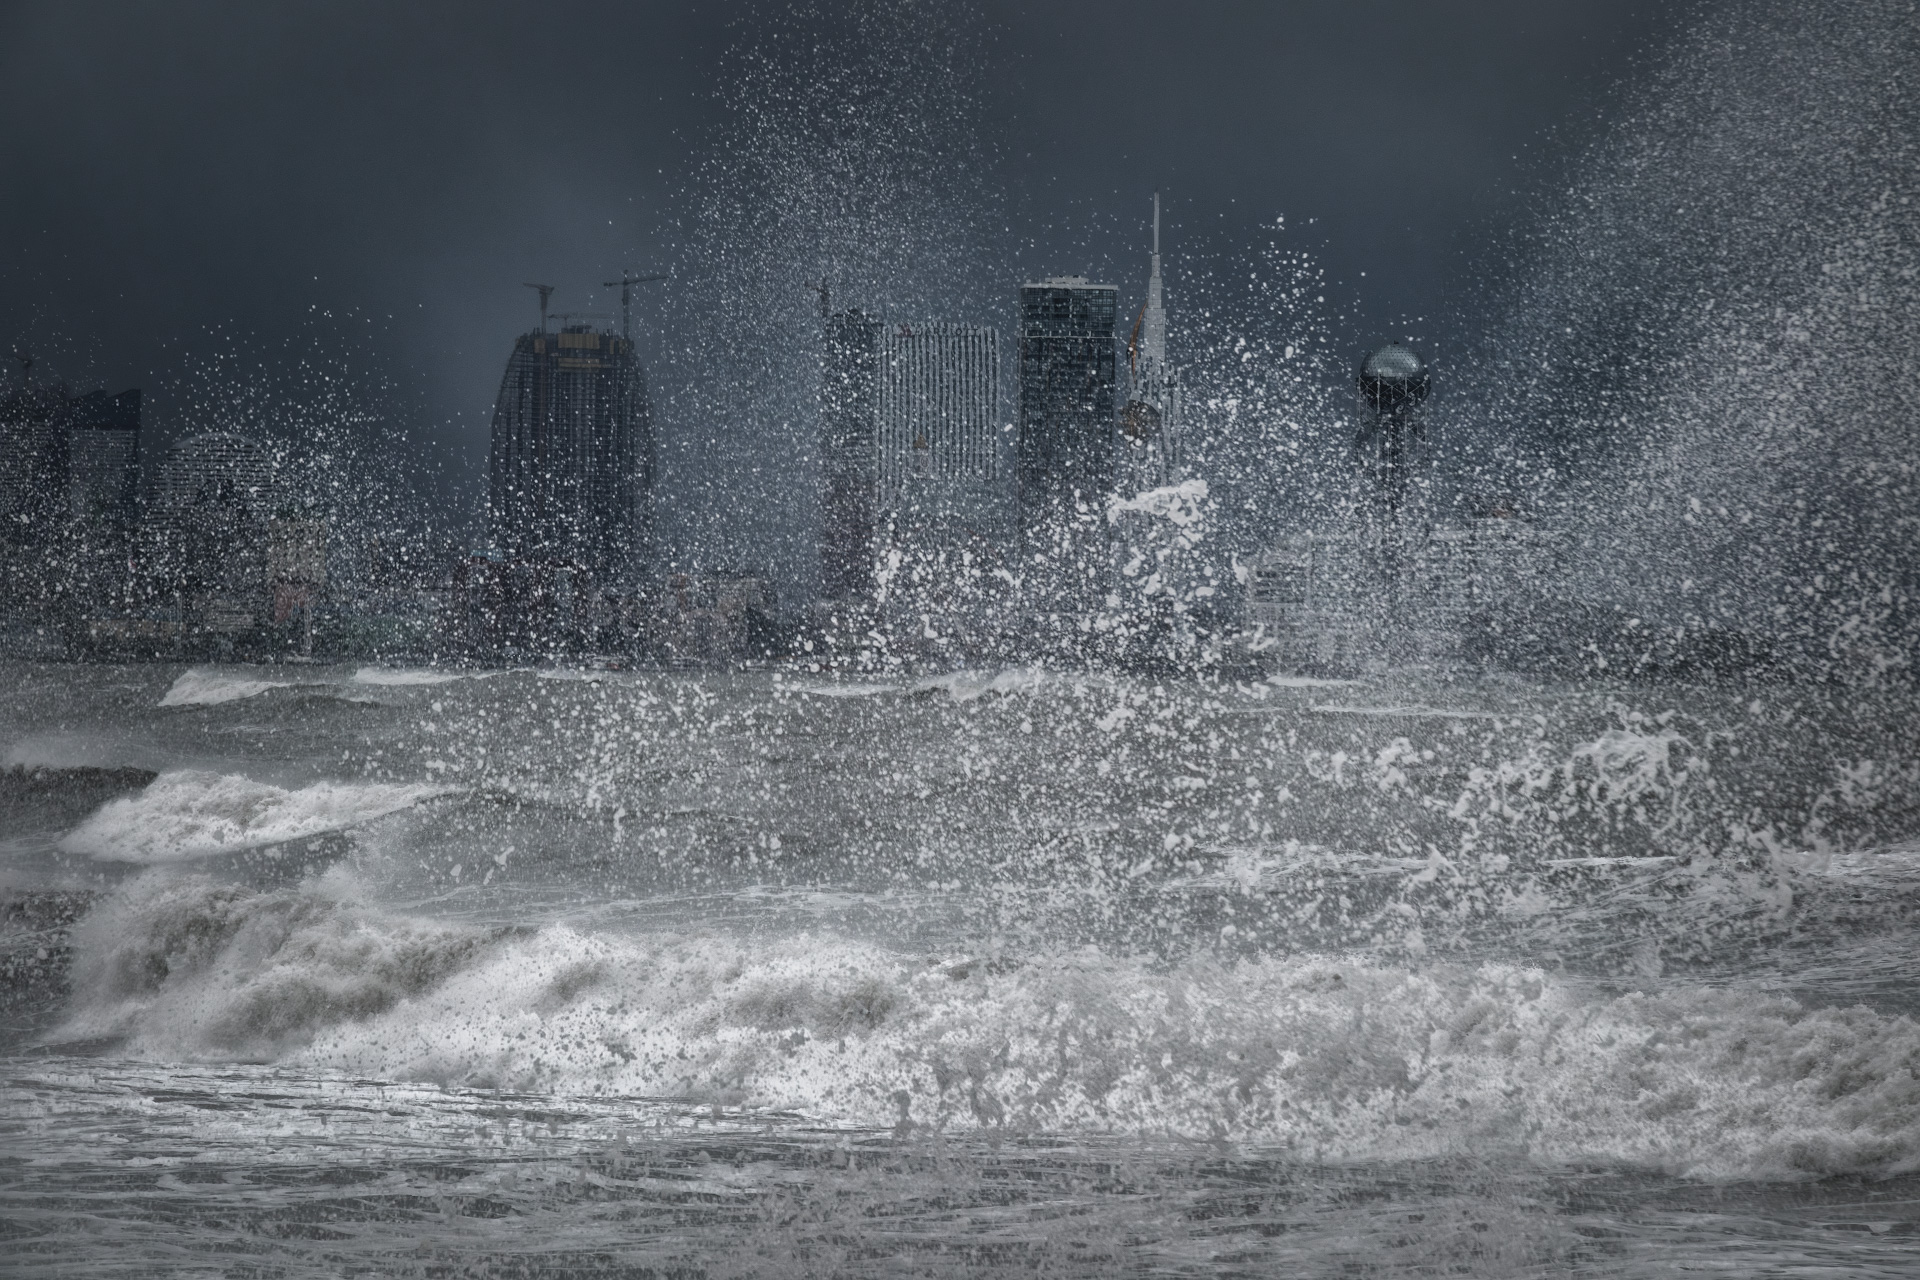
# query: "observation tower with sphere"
1392, 384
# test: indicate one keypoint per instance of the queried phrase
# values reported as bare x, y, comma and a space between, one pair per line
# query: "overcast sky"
173, 171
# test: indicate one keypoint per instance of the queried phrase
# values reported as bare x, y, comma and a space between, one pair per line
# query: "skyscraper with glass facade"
1065, 445
909, 440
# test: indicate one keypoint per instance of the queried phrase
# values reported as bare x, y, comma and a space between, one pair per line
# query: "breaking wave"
192, 813
1319, 1058
209, 686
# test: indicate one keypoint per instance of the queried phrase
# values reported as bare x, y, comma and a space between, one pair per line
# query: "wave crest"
191, 813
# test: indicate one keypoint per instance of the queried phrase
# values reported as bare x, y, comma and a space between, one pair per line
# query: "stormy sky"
191, 178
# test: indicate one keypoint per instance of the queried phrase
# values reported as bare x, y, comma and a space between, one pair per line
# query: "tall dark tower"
572, 459
1067, 368
1393, 384
849, 395
103, 458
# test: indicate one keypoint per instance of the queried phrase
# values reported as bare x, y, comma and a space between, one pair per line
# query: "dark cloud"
172, 171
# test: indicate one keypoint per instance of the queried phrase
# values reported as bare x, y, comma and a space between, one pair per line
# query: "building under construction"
572, 459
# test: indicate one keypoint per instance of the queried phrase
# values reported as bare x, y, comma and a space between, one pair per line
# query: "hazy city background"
311, 224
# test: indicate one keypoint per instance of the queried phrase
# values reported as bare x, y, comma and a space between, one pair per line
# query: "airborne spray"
1702, 372
1514, 966
853, 182
850, 159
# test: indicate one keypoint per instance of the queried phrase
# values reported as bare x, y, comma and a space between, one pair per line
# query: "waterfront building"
103, 459
910, 448
206, 541
716, 619
215, 473
571, 463
34, 423
1065, 441
1342, 601
1312, 600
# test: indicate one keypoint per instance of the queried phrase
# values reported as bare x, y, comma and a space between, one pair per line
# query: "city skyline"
215, 245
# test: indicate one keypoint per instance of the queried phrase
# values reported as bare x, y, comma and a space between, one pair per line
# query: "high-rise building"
849, 395
1065, 444
936, 411
103, 458
33, 463
909, 440
215, 471
1150, 422
572, 459
206, 539
65, 458
1392, 386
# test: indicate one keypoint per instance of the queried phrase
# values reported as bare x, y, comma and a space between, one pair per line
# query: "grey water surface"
358, 971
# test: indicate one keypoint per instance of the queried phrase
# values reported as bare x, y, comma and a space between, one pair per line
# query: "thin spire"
1153, 319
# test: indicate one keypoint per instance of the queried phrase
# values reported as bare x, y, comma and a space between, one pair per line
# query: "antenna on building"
546, 291
1156, 224
626, 283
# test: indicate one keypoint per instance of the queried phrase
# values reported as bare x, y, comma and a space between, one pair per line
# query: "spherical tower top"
1394, 377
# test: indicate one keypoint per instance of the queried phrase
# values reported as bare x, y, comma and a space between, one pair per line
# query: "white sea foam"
961, 686
1321, 1058
1411, 712
207, 686
844, 690
190, 969
967, 686
196, 814
406, 676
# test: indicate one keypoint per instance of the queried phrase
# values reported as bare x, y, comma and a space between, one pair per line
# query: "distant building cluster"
215, 560
933, 489
953, 526
65, 459
1430, 593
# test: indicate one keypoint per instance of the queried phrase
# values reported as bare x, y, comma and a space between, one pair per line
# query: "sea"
380, 971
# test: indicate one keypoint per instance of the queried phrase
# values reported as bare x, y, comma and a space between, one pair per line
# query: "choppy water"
336, 971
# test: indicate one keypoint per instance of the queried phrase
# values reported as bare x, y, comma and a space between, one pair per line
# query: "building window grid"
939, 383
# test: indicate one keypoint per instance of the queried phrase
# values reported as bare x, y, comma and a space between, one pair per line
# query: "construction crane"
546, 291
626, 283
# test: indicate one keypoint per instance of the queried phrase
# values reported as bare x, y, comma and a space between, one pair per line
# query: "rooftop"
1068, 282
